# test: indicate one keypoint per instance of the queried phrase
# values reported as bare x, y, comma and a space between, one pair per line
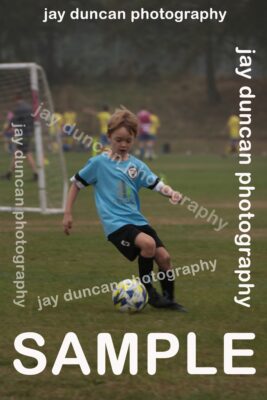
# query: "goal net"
24, 85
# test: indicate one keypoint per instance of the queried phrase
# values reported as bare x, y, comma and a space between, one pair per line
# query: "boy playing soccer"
117, 177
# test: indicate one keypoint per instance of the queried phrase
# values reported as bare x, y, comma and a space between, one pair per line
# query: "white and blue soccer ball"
129, 295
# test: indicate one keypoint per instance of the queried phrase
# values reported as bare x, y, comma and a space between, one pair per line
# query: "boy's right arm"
67, 219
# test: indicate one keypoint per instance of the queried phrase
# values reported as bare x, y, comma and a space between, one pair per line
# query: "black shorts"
125, 236
24, 147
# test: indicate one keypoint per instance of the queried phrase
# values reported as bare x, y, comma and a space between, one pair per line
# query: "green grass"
56, 263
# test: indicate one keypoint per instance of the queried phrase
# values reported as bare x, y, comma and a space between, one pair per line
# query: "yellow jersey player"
55, 130
69, 121
103, 117
154, 127
233, 130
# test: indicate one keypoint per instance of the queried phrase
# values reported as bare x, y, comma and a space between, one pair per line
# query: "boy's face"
121, 141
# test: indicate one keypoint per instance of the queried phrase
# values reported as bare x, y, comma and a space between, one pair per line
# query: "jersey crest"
132, 172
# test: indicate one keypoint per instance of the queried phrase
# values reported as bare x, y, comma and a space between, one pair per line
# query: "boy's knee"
148, 247
164, 260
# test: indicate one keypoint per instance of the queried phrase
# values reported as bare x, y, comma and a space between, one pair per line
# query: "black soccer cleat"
156, 300
35, 177
172, 304
176, 307
7, 176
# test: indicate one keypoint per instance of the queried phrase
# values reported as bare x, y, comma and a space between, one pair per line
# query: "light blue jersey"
116, 186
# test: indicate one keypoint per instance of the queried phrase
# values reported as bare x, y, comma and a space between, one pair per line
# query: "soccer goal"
48, 193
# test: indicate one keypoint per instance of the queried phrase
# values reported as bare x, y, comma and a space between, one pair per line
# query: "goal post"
48, 194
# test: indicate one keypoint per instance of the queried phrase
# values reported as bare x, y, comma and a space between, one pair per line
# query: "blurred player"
22, 116
233, 131
69, 123
8, 133
103, 117
55, 130
144, 117
117, 177
154, 127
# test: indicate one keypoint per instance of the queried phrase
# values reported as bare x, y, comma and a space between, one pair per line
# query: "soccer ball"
129, 295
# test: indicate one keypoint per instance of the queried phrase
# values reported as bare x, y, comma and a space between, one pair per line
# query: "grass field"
56, 263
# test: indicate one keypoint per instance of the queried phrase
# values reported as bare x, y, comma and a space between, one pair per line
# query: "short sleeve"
146, 178
87, 175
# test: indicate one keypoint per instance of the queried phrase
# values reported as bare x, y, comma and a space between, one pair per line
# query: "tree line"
80, 51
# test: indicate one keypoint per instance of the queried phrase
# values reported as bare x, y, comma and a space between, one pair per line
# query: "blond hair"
123, 117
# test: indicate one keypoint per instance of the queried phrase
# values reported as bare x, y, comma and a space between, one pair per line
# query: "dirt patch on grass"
254, 204
39, 226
